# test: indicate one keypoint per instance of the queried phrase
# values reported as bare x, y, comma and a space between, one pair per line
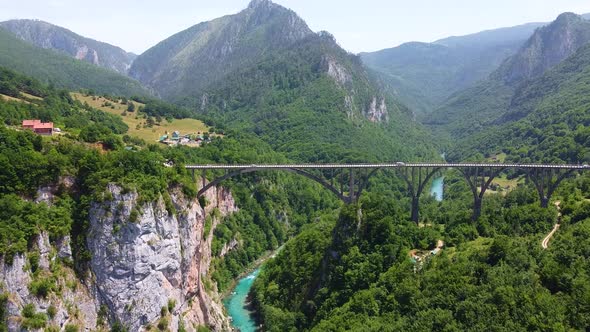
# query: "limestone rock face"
377, 111
76, 305
145, 257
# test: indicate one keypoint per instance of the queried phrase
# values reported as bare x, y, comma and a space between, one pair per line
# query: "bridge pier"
417, 178
415, 214
546, 181
476, 178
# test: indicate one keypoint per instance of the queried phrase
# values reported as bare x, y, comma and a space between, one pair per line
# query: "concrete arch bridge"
347, 181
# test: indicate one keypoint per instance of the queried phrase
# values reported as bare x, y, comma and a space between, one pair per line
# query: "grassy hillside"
137, 121
62, 71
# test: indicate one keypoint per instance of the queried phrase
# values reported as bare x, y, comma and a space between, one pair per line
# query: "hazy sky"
359, 25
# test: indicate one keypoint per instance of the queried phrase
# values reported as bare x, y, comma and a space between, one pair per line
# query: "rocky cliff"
547, 47
149, 267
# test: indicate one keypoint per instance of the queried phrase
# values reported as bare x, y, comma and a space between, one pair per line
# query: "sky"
358, 25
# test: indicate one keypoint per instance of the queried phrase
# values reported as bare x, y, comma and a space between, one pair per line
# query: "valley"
175, 172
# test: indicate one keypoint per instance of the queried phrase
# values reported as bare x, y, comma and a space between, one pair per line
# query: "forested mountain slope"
49, 36
471, 110
202, 55
61, 70
82, 215
548, 119
263, 70
423, 75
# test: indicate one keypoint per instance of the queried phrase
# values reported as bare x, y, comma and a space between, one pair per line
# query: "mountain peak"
568, 18
254, 4
547, 47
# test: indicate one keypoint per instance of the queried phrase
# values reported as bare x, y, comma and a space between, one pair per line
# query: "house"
44, 128
41, 128
30, 124
176, 135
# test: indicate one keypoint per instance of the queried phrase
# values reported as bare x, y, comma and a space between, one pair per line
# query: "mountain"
203, 54
61, 70
49, 36
424, 74
473, 109
264, 71
547, 119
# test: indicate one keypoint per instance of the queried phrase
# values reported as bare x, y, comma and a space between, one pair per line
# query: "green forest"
324, 265
351, 273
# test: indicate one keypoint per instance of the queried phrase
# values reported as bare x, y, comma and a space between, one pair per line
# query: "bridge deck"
392, 165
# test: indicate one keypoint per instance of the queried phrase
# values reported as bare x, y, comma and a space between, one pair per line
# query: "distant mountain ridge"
494, 101
547, 47
423, 75
61, 70
49, 36
547, 120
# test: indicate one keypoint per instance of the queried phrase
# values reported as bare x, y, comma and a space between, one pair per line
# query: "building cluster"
189, 140
41, 128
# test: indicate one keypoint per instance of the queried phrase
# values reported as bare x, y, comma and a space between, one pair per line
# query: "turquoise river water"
236, 303
436, 189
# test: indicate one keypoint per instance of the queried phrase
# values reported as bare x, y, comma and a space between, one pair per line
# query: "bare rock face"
377, 111
337, 72
145, 257
75, 304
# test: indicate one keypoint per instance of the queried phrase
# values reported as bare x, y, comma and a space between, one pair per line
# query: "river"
437, 188
236, 305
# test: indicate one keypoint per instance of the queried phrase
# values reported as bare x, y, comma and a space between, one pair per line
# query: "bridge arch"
325, 184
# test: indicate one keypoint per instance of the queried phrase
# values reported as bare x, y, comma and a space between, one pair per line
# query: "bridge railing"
389, 165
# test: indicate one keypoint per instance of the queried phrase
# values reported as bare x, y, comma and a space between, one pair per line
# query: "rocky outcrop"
337, 72
233, 244
145, 257
149, 266
377, 111
74, 303
547, 47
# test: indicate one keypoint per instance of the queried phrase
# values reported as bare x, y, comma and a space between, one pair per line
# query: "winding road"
545, 242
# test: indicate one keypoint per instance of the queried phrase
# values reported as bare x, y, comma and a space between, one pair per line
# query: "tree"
130, 107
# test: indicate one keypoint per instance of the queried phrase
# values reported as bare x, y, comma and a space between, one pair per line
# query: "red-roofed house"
30, 124
44, 128
41, 128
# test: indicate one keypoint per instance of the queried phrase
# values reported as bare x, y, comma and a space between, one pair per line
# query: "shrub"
171, 304
41, 287
51, 311
163, 324
32, 319
71, 328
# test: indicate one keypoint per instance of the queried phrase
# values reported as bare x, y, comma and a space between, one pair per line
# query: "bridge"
348, 181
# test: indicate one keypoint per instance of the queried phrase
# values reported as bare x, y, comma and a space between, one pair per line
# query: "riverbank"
251, 268
236, 299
